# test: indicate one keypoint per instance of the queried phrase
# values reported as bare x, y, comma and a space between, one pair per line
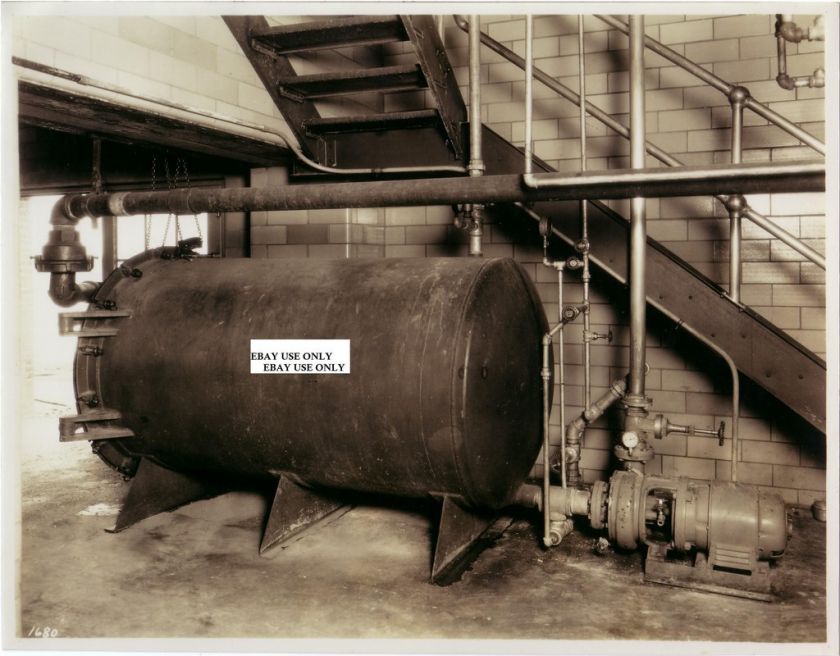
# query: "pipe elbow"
575, 429
789, 31
786, 81
62, 213
461, 21
64, 291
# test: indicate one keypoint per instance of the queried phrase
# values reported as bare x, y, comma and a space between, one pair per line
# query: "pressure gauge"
630, 439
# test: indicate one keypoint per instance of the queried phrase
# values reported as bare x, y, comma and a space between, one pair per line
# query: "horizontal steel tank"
444, 394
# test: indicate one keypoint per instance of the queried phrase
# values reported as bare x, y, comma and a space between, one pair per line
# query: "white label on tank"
300, 356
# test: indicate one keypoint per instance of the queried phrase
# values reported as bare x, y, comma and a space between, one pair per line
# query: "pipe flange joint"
738, 95
598, 505
637, 403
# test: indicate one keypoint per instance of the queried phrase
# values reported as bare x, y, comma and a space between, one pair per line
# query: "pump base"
703, 576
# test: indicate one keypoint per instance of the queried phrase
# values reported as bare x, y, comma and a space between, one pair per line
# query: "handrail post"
735, 204
583, 244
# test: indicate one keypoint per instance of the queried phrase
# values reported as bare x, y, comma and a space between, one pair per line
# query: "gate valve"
582, 246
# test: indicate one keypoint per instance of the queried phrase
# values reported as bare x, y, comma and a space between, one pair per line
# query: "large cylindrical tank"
444, 394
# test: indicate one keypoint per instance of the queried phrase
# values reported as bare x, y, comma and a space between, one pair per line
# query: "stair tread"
332, 33
337, 83
369, 122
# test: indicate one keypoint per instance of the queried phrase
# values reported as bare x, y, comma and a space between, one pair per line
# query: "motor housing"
738, 525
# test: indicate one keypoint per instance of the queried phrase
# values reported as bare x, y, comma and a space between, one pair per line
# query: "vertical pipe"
638, 236
109, 244
735, 255
529, 93
736, 416
476, 164
109, 228
561, 376
546, 382
584, 230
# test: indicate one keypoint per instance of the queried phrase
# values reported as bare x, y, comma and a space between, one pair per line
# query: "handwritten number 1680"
45, 632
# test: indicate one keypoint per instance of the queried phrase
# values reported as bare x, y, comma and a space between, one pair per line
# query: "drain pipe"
635, 401
475, 168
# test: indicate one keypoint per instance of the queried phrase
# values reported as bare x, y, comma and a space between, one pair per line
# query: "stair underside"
331, 33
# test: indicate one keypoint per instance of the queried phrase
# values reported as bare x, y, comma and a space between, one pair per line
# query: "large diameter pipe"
638, 229
658, 182
476, 164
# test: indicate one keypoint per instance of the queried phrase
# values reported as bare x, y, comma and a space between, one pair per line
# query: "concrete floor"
195, 572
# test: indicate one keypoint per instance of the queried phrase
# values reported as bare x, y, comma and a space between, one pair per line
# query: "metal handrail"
721, 85
656, 152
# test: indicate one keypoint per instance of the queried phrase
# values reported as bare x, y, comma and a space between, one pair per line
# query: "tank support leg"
463, 533
294, 510
155, 489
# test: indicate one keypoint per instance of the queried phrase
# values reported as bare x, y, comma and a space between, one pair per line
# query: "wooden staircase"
426, 137
437, 136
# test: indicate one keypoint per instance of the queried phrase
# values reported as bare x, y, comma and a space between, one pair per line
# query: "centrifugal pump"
713, 535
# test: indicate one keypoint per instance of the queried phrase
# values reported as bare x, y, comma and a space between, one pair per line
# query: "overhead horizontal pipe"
621, 183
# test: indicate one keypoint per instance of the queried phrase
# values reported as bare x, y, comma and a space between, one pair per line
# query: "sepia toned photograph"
413, 331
